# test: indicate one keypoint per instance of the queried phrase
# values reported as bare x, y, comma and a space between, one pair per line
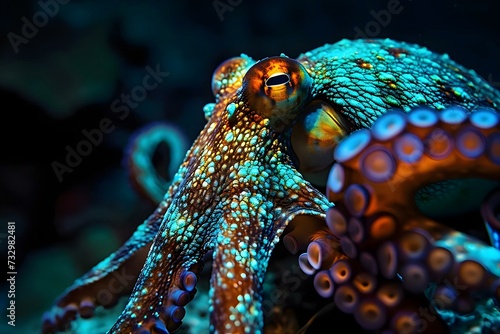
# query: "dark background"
65, 77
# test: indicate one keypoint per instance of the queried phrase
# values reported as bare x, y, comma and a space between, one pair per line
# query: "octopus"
351, 155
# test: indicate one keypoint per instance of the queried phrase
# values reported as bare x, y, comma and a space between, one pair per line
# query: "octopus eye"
277, 88
314, 137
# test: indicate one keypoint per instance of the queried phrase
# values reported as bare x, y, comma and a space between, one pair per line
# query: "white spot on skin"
211, 127
231, 108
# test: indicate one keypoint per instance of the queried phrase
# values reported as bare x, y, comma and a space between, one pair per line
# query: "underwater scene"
235, 166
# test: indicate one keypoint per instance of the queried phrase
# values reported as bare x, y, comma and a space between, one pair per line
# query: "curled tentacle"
104, 284
392, 250
139, 158
375, 302
112, 278
379, 170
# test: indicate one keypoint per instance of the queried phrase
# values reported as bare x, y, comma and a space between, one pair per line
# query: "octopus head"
280, 90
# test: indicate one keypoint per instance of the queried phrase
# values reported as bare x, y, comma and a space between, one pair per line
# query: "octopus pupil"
277, 80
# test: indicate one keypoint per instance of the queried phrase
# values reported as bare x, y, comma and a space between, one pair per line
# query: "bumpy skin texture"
239, 187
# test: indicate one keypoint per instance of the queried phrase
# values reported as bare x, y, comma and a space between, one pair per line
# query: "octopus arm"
106, 282
110, 279
248, 234
168, 279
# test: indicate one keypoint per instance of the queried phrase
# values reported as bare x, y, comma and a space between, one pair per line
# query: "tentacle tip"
58, 319
160, 328
48, 323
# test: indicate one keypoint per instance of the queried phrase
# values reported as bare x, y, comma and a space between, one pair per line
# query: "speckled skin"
365, 79
239, 185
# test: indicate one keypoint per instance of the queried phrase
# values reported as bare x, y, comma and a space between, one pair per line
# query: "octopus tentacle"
107, 281
177, 290
139, 153
168, 278
375, 301
245, 242
375, 215
98, 287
